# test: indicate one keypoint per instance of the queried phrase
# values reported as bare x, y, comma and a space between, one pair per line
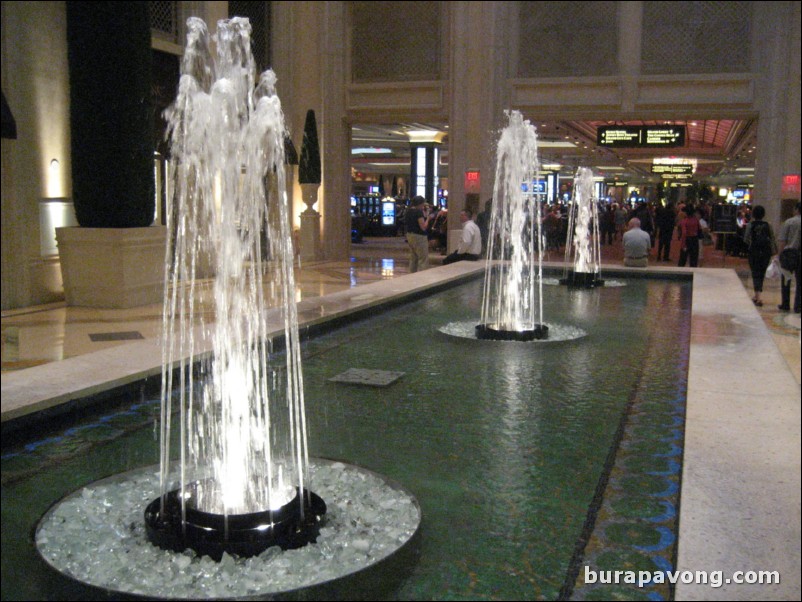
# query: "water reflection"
388, 268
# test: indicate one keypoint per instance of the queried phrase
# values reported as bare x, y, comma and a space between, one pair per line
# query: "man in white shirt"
470, 245
637, 243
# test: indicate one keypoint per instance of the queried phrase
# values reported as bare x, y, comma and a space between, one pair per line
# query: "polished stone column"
36, 86
777, 100
479, 65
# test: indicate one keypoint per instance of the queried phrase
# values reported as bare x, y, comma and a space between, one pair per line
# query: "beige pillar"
35, 79
777, 101
309, 60
478, 74
335, 204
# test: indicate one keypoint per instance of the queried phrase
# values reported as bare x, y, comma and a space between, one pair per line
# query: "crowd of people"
646, 231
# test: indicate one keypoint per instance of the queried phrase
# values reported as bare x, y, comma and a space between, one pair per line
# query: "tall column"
482, 36
309, 46
777, 100
35, 79
336, 141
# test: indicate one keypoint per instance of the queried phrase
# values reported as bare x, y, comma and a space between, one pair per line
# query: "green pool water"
529, 460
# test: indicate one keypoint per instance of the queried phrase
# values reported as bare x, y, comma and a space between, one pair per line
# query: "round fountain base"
557, 332
292, 526
582, 280
488, 332
95, 542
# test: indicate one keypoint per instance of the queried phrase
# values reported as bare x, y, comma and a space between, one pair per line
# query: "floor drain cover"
371, 378
131, 335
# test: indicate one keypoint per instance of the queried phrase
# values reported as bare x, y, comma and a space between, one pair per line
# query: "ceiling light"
370, 151
422, 136
555, 144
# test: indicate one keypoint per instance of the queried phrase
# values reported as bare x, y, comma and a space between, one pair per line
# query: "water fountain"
238, 487
243, 451
512, 300
582, 249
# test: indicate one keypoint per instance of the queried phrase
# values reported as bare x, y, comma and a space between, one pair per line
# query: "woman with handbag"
759, 237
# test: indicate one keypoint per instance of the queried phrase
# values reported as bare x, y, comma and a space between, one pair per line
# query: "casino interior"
663, 101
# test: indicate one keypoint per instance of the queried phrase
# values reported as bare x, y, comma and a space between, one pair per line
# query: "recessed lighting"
370, 151
555, 144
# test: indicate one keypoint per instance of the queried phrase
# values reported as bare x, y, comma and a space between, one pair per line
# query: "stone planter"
310, 224
112, 267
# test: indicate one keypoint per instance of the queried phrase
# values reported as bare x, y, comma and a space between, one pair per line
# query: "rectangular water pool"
529, 460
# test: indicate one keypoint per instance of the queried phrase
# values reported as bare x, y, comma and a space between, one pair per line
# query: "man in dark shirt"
666, 220
416, 220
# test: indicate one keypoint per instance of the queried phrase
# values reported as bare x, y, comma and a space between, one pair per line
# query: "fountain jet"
242, 459
582, 249
512, 300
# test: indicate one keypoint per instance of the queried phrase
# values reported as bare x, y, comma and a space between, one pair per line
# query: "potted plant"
309, 166
115, 258
309, 177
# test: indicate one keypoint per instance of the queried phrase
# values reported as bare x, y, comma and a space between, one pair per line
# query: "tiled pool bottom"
529, 461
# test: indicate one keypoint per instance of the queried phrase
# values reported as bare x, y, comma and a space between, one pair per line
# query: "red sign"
790, 188
472, 182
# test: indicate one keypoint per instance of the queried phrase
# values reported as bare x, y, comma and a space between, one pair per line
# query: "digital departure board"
641, 136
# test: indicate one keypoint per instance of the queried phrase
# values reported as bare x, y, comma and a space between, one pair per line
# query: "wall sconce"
54, 179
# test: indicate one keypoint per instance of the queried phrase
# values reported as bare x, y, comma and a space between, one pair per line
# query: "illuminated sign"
791, 185
473, 181
641, 136
616, 183
537, 187
388, 213
674, 170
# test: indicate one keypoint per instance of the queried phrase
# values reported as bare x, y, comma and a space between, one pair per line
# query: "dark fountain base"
244, 535
487, 332
582, 280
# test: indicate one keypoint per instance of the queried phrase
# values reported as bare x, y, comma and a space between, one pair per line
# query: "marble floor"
49, 333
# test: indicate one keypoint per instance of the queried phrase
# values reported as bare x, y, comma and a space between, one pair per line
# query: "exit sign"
473, 183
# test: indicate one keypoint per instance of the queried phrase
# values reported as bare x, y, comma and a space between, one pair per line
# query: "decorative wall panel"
164, 20
258, 13
396, 41
696, 37
566, 39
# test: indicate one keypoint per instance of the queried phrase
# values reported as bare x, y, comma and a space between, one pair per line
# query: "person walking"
666, 219
762, 245
689, 238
